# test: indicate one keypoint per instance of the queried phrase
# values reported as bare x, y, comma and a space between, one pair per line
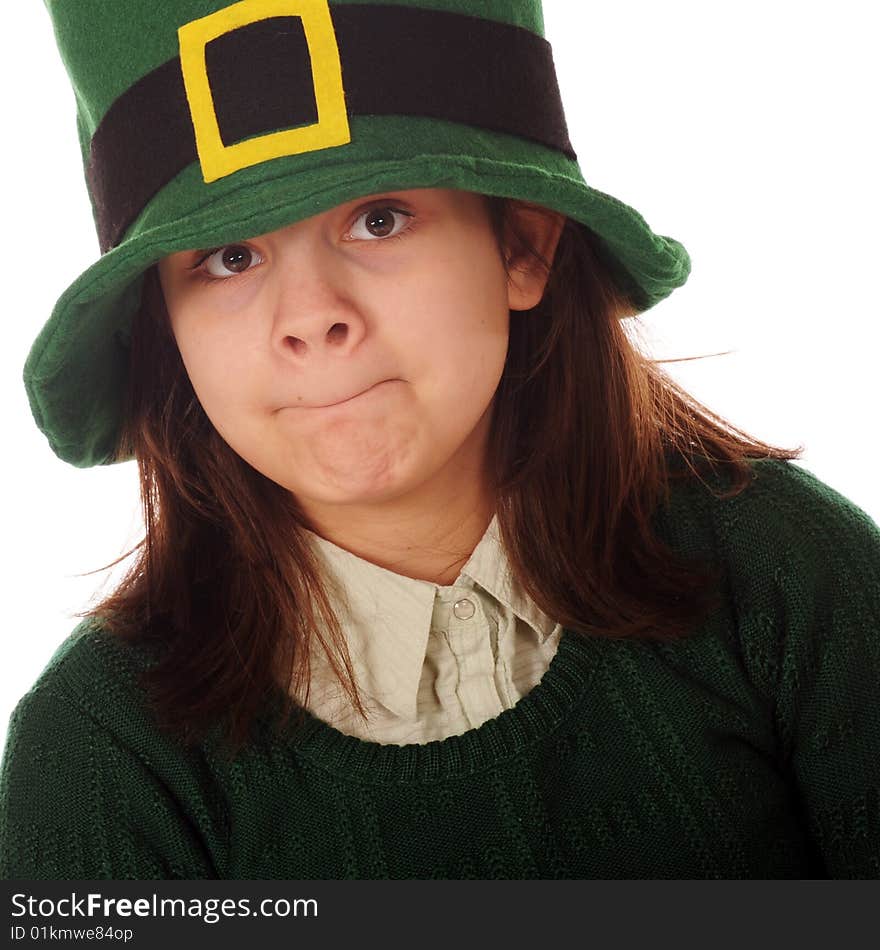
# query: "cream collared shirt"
431, 661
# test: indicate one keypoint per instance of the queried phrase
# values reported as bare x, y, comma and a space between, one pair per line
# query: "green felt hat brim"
76, 371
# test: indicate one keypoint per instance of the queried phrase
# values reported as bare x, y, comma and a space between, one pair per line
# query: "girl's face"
352, 357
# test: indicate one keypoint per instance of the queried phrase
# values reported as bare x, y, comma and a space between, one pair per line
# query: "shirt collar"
488, 566
387, 617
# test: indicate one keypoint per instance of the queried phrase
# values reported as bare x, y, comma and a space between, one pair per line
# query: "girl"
441, 576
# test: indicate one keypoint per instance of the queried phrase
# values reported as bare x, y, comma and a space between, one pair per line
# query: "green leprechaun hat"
203, 123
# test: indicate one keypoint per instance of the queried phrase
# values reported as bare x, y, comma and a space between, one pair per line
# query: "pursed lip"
340, 402
348, 398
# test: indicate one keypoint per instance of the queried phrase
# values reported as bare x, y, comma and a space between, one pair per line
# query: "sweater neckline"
508, 734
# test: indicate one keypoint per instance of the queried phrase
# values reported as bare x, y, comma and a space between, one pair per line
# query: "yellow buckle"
331, 129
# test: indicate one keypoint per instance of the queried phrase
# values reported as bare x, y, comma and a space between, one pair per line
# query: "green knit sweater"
751, 749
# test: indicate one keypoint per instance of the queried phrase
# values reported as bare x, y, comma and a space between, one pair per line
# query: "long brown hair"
581, 435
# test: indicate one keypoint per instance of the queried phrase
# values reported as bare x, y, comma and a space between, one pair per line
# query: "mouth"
348, 399
342, 402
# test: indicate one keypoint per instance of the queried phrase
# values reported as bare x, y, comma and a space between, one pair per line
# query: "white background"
746, 131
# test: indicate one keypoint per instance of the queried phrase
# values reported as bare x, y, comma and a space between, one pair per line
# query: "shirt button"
463, 609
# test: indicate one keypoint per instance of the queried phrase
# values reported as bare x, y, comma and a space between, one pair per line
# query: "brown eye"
237, 258
230, 260
381, 221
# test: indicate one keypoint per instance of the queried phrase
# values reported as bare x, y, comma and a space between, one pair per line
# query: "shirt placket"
465, 626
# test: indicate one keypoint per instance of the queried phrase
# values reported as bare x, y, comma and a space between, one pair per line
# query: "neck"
428, 538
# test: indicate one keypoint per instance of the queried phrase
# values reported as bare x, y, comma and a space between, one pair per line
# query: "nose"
316, 337
316, 316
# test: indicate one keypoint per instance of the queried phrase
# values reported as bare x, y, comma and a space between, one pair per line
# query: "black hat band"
395, 61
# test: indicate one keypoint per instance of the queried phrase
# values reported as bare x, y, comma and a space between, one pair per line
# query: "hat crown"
108, 46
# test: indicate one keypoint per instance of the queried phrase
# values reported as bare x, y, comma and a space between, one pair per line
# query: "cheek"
467, 366
463, 296
215, 331
476, 324
219, 366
